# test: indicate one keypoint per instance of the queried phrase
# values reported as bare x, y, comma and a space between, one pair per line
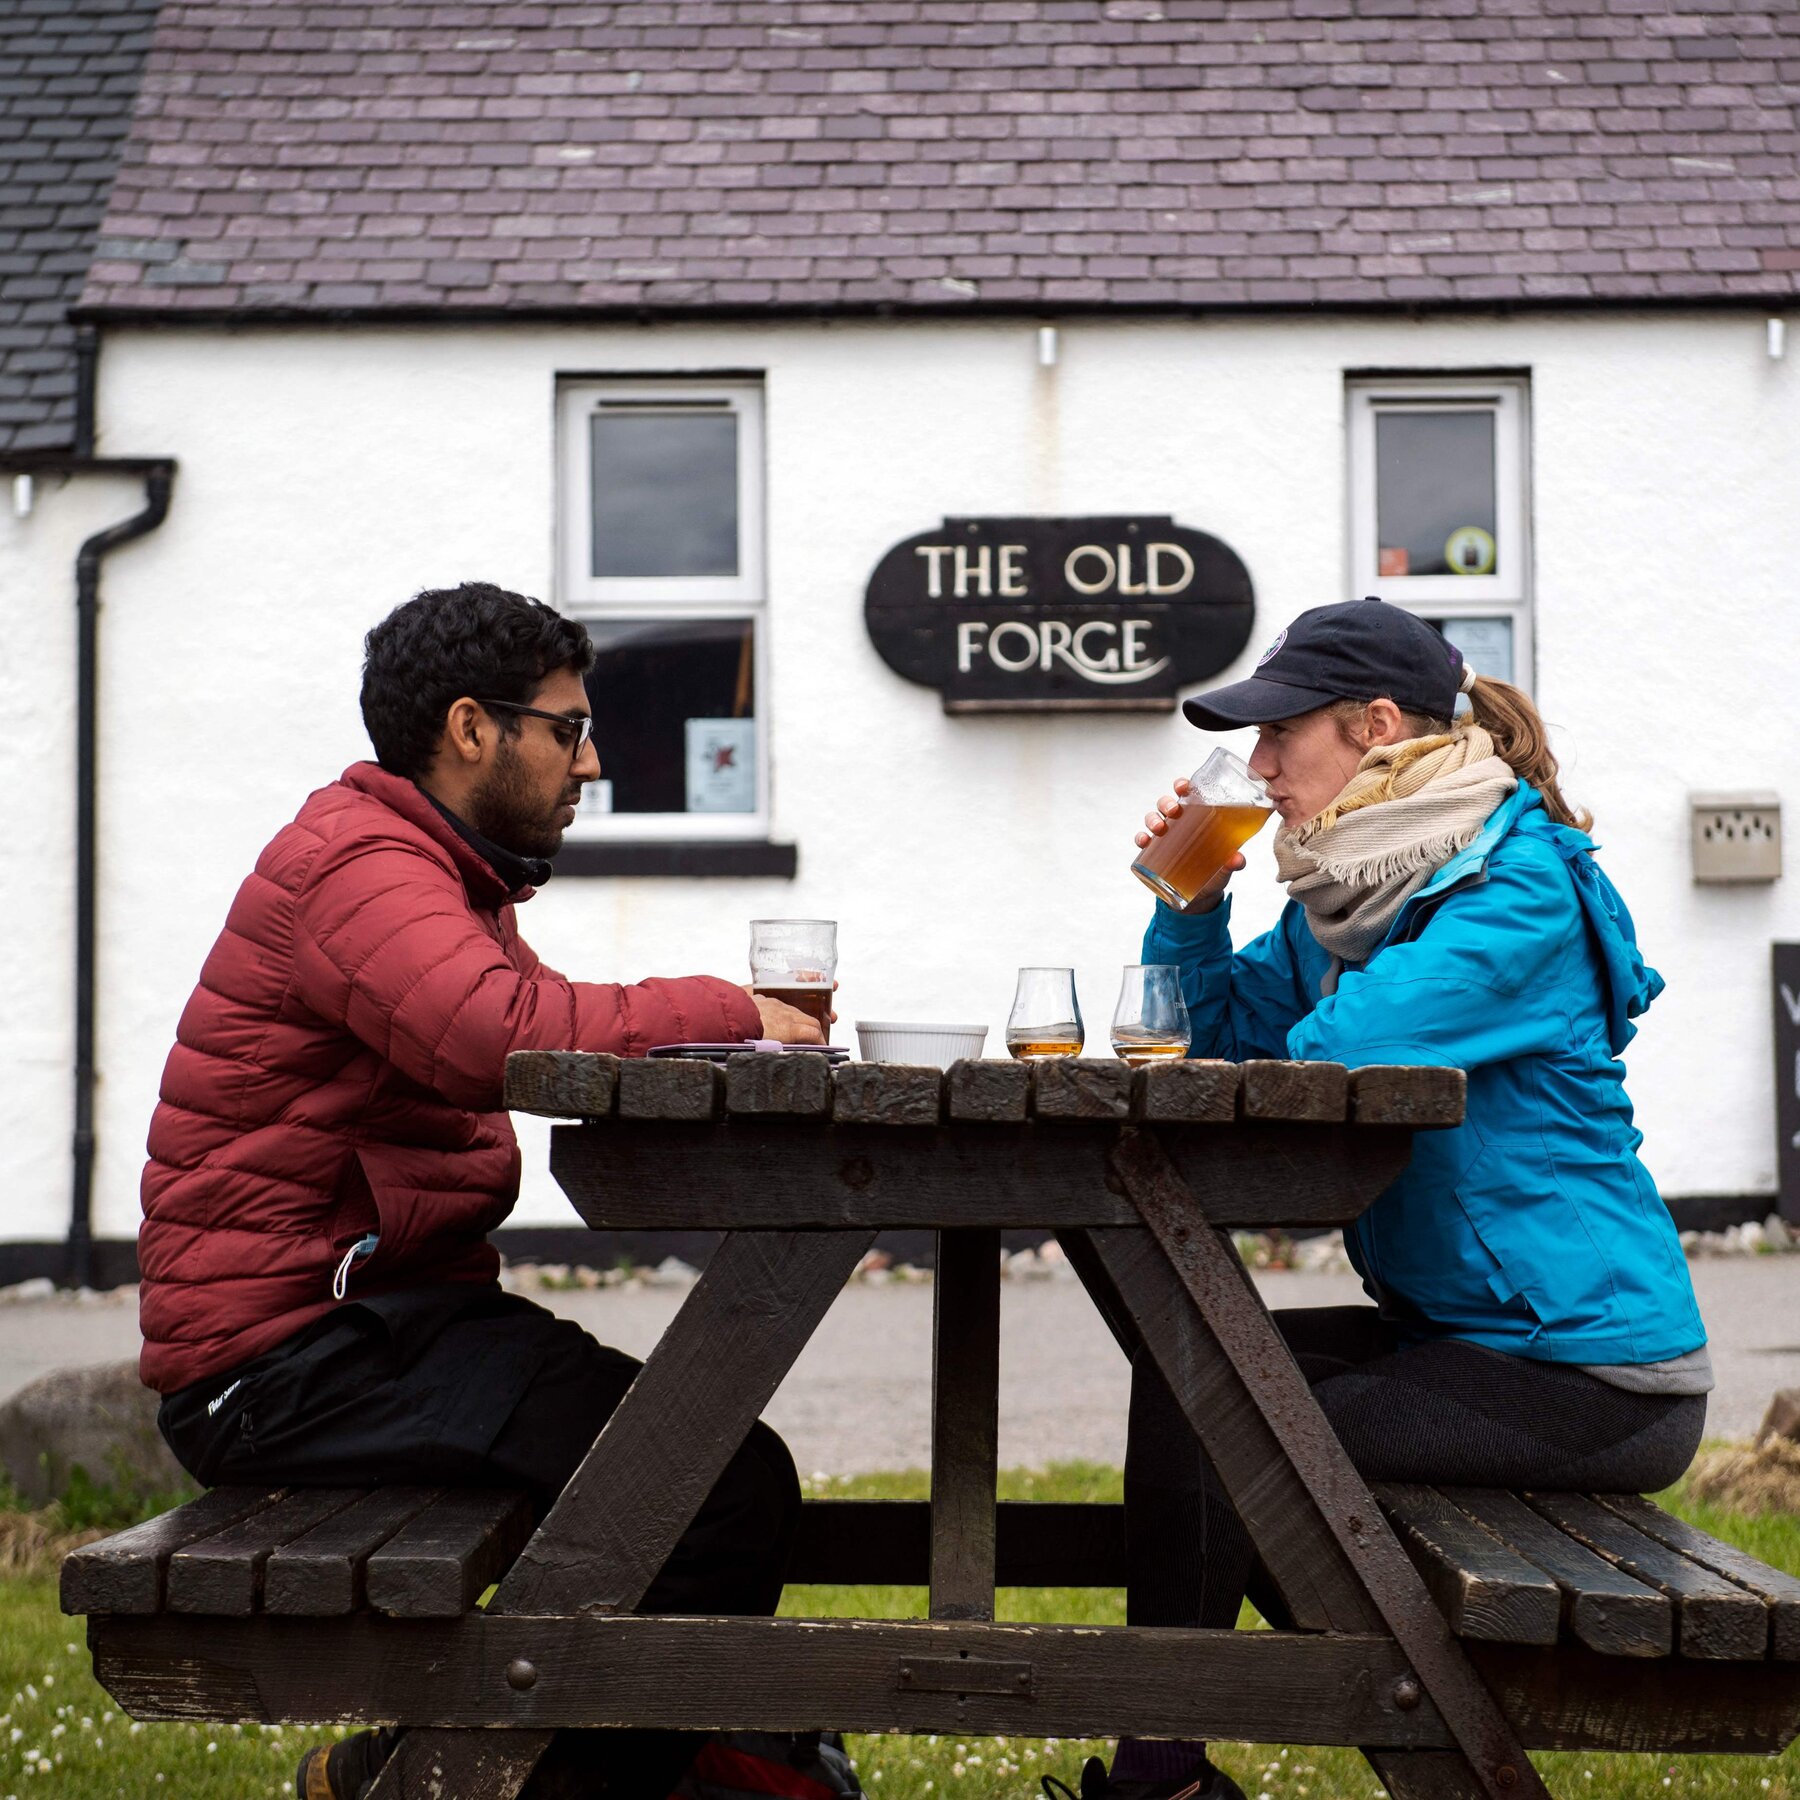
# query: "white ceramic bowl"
881, 1041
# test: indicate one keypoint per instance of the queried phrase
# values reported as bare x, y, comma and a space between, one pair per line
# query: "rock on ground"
101, 1419
1782, 1420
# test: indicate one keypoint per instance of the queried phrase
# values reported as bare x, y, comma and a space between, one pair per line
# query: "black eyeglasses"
572, 729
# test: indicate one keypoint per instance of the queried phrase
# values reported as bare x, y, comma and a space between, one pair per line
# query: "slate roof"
69, 70
954, 154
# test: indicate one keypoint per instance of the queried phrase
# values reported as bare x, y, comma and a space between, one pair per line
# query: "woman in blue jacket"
1533, 1324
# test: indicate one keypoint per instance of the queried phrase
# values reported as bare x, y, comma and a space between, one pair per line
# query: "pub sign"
1097, 614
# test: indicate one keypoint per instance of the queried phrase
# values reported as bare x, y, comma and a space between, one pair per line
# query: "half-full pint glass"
795, 960
1225, 807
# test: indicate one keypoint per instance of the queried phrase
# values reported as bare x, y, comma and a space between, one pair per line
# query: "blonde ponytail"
1505, 713
1522, 742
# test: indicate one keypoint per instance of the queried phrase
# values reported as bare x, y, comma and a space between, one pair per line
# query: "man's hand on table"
786, 1024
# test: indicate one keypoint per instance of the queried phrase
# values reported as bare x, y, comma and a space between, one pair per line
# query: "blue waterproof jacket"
1533, 1228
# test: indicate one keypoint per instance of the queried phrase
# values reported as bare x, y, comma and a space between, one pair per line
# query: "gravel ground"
858, 1397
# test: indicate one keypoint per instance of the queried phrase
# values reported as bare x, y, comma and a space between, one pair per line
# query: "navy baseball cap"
1355, 650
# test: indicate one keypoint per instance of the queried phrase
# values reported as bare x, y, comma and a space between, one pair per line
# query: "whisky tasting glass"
1046, 1018
1150, 1023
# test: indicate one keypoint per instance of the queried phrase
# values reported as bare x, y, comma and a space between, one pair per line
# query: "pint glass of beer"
1225, 807
796, 960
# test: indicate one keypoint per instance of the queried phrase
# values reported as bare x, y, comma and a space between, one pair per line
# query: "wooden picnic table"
1418, 1631
1139, 1177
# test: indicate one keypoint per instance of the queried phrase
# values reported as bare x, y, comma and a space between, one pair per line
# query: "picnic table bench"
1444, 1631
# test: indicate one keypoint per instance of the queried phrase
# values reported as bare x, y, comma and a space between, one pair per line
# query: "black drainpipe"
87, 367
158, 476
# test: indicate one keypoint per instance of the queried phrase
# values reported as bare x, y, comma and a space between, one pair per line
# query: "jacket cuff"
1183, 938
740, 1010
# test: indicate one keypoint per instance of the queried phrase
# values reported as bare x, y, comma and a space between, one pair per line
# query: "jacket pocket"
355, 1213
1501, 1197
432, 1206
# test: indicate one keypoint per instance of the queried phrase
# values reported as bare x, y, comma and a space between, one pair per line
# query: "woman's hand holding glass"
1156, 823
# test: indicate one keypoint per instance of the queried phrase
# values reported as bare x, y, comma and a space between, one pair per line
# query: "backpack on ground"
770, 1765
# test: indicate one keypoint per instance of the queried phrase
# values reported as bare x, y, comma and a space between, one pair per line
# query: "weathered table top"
796, 1086
787, 1142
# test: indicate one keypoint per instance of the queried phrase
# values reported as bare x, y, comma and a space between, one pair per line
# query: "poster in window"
721, 765
1486, 644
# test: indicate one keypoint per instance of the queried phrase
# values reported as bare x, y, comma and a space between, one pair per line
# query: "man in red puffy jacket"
319, 1299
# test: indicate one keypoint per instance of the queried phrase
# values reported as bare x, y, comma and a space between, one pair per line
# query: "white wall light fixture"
1047, 346
24, 496
1777, 339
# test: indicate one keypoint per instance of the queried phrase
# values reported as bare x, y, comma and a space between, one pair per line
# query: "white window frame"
1507, 592
599, 600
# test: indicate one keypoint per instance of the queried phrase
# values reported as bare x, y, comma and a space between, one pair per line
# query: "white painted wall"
37, 828
326, 476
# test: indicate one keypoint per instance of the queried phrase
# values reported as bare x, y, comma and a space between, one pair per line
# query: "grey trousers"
1444, 1411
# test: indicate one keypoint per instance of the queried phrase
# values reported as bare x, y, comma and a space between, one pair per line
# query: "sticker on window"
1470, 551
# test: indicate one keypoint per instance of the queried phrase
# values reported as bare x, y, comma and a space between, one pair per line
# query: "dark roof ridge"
249, 318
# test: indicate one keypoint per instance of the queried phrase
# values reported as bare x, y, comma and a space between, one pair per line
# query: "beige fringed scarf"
1405, 812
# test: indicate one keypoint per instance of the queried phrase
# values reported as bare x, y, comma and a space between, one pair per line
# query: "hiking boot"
347, 1769
1098, 1784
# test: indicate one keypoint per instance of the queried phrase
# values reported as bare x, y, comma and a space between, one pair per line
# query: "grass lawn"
61, 1737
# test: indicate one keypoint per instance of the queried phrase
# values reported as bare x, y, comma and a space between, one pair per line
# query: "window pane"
1486, 644
1434, 483
674, 715
665, 493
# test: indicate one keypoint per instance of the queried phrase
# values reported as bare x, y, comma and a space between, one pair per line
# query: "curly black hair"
476, 639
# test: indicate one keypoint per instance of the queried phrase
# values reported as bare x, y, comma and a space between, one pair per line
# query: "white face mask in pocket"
360, 1251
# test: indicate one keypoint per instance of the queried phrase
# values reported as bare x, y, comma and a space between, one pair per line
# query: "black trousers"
1443, 1411
483, 1388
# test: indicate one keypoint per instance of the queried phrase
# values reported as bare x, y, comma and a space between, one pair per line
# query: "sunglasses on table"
572, 730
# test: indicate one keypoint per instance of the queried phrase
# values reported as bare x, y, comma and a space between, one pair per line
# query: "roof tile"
67, 83
938, 153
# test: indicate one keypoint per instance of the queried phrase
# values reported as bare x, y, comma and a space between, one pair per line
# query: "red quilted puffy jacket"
338, 1071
